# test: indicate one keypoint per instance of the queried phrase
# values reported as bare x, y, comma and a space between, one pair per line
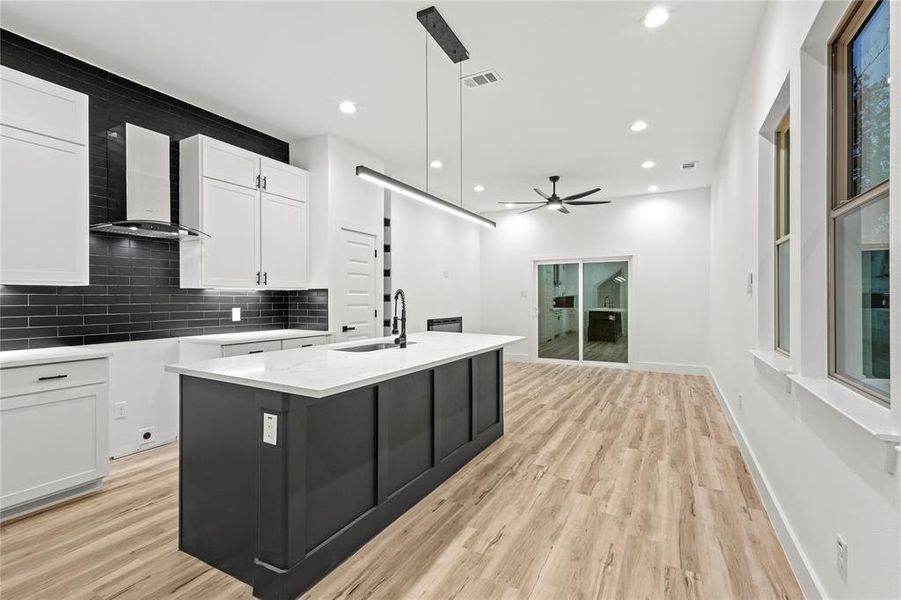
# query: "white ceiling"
575, 75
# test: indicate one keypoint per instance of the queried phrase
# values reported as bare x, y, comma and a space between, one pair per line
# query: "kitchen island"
292, 460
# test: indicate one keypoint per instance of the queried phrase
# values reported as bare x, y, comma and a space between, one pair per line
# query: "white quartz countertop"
46, 356
321, 371
244, 337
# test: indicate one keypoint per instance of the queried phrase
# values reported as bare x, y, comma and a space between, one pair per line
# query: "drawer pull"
255, 351
307, 346
49, 377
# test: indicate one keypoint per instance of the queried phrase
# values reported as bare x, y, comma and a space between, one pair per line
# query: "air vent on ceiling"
688, 166
480, 79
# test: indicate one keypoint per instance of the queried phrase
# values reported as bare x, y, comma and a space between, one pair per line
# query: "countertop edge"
323, 393
11, 363
264, 336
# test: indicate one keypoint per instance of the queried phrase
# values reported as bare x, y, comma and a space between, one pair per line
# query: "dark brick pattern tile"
133, 292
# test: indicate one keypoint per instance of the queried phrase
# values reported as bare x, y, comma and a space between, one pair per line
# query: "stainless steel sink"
371, 347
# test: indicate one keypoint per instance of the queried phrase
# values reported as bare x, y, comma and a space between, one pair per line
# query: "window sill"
860, 410
774, 360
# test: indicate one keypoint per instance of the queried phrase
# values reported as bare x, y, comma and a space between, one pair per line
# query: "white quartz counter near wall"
321, 371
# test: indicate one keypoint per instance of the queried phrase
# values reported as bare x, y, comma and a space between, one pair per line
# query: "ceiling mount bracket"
441, 32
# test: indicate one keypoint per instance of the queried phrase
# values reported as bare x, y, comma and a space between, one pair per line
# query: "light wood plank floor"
608, 484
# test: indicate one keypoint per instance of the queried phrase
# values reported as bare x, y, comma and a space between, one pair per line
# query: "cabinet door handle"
258, 278
49, 377
264, 182
258, 181
266, 278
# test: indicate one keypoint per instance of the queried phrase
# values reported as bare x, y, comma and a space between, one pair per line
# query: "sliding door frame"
581, 260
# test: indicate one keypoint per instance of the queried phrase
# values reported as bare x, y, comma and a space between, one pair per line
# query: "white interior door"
357, 304
231, 256
283, 245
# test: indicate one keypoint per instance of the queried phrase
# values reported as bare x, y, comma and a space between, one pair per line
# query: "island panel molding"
279, 516
133, 292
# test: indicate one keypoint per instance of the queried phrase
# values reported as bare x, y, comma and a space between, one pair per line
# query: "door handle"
346, 328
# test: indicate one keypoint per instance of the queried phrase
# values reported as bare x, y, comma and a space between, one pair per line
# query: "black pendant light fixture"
437, 27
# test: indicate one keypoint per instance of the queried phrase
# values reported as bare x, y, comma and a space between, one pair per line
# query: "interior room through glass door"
605, 317
558, 317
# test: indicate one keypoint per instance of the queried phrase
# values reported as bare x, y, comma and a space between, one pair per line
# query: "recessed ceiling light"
510, 205
653, 188
639, 126
347, 107
656, 17
648, 164
479, 188
436, 164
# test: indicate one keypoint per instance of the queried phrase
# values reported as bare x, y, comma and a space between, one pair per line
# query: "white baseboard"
810, 584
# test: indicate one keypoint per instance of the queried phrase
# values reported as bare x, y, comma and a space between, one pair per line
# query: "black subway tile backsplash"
133, 292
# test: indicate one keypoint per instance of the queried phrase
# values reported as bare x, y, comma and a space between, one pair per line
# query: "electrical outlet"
120, 410
841, 557
270, 429
146, 435
236, 313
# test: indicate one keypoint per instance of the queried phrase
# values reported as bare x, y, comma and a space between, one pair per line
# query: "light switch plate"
236, 313
270, 429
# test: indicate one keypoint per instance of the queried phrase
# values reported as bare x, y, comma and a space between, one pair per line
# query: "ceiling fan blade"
542, 194
586, 202
531, 209
582, 195
535, 202
563, 209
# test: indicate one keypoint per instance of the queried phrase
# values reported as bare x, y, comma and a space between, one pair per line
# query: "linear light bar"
411, 192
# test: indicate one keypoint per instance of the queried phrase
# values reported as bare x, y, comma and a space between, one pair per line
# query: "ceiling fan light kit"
437, 27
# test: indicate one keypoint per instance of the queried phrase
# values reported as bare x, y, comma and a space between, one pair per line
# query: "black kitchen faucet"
402, 338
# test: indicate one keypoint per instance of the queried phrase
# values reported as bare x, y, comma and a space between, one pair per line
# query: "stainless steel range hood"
138, 185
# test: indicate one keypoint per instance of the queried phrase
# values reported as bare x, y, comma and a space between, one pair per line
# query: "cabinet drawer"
251, 348
304, 342
39, 378
282, 179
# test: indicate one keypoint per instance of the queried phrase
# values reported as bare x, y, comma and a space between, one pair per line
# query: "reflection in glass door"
558, 317
605, 317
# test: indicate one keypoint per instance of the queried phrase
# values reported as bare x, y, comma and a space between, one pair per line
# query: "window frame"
782, 217
839, 203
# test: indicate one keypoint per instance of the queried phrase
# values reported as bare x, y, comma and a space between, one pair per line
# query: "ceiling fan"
555, 202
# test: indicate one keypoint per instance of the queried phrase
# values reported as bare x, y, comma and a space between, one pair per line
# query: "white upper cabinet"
284, 250
258, 238
44, 215
283, 180
229, 163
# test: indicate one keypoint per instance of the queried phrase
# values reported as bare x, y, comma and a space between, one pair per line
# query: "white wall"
820, 474
435, 259
668, 233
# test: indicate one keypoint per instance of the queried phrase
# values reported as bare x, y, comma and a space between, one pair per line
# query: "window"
782, 236
859, 210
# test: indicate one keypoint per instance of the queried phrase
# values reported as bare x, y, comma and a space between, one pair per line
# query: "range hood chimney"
138, 181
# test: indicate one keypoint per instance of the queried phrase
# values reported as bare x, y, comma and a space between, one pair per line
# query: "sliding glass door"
583, 310
558, 317
605, 312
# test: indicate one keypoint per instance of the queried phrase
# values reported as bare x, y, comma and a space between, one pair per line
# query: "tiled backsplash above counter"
134, 289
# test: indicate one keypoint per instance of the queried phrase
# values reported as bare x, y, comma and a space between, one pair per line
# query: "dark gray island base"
280, 517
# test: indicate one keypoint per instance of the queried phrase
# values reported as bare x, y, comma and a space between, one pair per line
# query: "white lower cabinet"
53, 433
203, 347
257, 224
